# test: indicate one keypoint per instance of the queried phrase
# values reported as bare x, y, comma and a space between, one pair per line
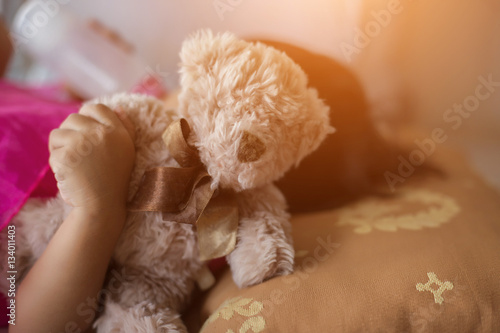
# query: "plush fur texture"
233, 93
248, 87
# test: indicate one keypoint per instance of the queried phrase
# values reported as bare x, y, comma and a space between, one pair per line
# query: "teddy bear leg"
144, 317
264, 249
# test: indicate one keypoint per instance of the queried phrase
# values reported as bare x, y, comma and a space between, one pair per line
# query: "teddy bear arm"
264, 246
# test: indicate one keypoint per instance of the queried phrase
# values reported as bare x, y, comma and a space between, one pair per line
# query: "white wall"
157, 27
429, 58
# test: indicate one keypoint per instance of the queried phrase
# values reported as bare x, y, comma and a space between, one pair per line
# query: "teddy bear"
245, 116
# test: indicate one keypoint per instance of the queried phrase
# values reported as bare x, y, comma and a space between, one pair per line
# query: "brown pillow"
423, 259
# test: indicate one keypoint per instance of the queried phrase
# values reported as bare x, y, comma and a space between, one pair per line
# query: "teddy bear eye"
251, 148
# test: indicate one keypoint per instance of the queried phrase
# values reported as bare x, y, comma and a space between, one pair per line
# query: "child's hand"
92, 156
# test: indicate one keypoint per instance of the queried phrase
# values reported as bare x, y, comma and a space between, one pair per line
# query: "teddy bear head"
251, 112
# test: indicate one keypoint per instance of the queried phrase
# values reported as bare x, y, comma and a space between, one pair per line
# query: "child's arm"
72, 268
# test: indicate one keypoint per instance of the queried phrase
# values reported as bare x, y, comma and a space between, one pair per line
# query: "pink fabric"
150, 85
26, 118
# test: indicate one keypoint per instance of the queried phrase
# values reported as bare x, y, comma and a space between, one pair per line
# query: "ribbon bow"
185, 195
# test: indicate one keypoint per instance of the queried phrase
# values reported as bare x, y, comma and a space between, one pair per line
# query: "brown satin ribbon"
184, 195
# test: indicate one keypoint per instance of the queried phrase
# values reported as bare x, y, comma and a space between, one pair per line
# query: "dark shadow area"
351, 162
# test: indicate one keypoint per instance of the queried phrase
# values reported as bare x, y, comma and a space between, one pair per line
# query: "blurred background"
419, 61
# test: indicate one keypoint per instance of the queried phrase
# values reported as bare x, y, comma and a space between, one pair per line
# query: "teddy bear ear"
199, 52
198, 41
316, 127
202, 48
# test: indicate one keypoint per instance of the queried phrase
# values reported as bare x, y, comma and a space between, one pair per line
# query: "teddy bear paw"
251, 269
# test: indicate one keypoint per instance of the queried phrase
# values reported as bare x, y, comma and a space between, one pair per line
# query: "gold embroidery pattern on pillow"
447, 285
246, 307
432, 210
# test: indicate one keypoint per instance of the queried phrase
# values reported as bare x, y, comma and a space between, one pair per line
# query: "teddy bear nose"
251, 148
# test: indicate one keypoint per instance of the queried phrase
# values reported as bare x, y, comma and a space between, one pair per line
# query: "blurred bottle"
88, 62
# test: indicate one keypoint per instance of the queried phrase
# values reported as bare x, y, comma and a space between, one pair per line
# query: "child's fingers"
79, 122
61, 162
55, 162
59, 138
101, 113
127, 123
